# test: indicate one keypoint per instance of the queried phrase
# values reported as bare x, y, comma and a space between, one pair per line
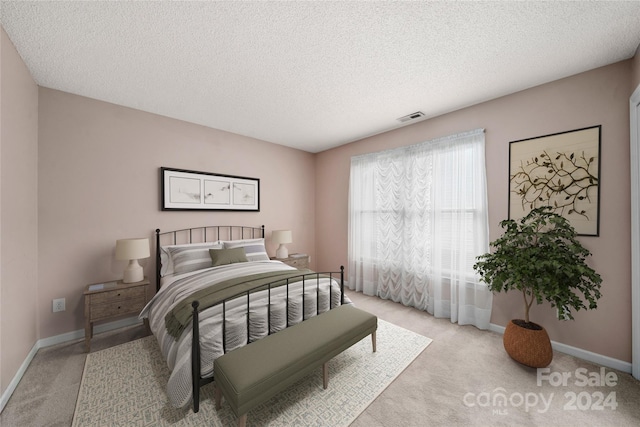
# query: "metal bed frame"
211, 234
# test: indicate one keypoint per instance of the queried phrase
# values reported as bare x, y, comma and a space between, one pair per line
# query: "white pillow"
253, 248
178, 259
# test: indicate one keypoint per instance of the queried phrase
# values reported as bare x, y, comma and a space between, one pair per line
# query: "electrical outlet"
58, 305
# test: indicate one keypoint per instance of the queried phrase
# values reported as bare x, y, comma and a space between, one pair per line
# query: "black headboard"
209, 233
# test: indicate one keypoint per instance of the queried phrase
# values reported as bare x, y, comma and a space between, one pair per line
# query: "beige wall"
18, 211
596, 97
99, 181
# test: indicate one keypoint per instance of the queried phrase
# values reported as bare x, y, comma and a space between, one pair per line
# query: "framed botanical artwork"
561, 170
192, 190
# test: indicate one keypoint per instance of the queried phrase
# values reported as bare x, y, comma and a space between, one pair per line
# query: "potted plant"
539, 256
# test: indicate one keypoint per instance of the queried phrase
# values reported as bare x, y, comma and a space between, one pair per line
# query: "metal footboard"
197, 380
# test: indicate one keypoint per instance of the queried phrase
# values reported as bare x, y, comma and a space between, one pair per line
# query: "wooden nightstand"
111, 300
298, 261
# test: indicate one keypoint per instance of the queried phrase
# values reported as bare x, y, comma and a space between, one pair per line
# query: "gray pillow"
227, 256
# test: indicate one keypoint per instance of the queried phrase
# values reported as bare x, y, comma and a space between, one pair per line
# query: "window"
417, 220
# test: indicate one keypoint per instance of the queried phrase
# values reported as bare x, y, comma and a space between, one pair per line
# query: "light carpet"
126, 385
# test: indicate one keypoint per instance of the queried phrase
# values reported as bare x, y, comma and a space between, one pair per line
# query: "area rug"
126, 386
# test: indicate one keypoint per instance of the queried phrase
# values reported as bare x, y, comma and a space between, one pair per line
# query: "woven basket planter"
528, 346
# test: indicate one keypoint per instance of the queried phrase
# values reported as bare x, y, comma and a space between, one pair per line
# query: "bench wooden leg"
325, 375
373, 341
217, 395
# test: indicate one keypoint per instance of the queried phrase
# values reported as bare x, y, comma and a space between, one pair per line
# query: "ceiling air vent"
413, 116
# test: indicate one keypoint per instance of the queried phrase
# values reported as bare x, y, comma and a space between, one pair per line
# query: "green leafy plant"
540, 256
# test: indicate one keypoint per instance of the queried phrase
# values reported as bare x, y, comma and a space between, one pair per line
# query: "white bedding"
174, 288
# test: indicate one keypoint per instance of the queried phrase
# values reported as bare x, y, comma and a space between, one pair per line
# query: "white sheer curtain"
417, 219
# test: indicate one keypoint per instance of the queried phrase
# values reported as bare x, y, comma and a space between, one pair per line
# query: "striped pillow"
253, 248
186, 258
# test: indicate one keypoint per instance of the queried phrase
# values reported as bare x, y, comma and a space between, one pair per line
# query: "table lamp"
281, 237
132, 250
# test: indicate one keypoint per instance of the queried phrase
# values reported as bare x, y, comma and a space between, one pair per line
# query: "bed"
217, 284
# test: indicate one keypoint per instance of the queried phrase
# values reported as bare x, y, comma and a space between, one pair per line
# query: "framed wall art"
192, 190
561, 170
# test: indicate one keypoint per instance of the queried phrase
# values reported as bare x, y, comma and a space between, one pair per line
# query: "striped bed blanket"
177, 350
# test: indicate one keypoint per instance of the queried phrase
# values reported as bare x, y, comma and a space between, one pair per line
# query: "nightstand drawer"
118, 294
117, 308
298, 262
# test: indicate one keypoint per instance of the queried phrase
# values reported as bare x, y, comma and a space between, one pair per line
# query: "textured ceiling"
312, 75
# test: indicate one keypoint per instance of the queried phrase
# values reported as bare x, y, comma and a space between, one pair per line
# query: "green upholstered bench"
252, 374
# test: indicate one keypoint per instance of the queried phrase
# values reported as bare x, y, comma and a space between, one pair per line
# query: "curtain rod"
465, 134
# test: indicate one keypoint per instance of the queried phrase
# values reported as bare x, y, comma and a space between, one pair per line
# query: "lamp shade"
281, 236
128, 249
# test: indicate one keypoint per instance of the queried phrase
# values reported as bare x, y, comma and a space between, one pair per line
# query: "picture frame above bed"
183, 190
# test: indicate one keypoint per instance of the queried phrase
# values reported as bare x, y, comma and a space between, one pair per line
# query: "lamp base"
282, 252
133, 273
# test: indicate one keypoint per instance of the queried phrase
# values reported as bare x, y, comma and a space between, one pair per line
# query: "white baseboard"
58, 339
589, 356
17, 377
